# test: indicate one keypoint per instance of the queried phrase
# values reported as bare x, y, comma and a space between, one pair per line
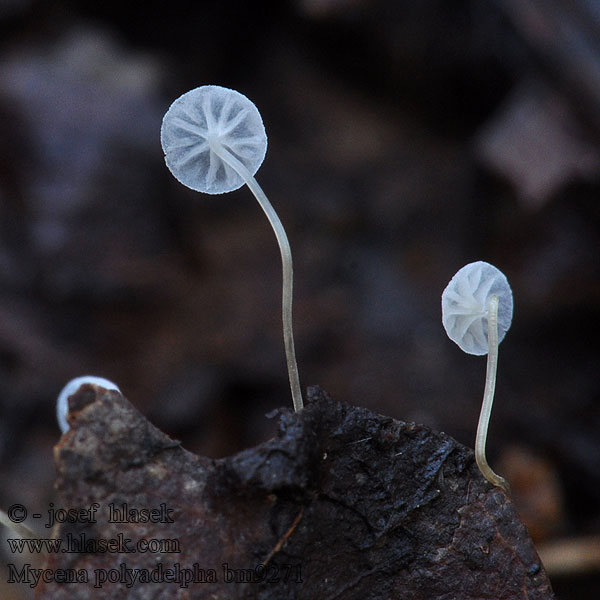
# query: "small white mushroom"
62, 402
206, 132
214, 141
477, 309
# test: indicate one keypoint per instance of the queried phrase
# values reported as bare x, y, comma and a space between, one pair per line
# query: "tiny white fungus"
477, 309
204, 124
465, 303
214, 141
62, 402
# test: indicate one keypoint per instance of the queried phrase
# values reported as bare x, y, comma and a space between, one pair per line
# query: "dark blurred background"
406, 139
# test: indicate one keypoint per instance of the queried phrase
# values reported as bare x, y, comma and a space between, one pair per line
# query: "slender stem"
488, 398
286, 263
21, 530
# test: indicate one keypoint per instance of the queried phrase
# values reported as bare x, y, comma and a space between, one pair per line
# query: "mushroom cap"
199, 121
62, 402
465, 304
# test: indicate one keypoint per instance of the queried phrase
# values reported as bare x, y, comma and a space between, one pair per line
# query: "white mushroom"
62, 402
477, 308
214, 141
206, 133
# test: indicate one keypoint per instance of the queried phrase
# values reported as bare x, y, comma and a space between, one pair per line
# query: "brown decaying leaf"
341, 504
538, 144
